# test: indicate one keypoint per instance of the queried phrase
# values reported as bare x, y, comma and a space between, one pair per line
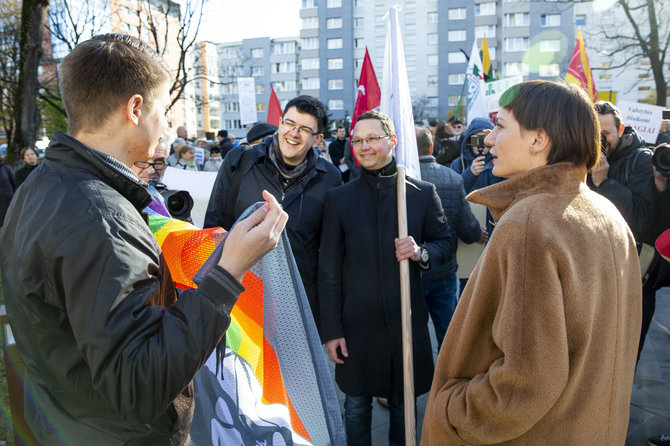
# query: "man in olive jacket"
359, 279
109, 351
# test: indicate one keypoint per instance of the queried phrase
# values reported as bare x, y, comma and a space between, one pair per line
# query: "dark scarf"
290, 175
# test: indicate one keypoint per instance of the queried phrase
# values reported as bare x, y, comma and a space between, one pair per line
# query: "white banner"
246, 91
198, 184
645, 118
495, 89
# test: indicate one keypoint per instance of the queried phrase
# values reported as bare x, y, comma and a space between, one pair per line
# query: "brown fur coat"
542, 347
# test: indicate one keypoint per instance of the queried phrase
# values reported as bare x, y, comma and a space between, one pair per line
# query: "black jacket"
302, 201
463, 223
7, 188
109, 352
630, 184
359, 280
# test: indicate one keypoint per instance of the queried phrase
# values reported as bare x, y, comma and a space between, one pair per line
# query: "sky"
234, 20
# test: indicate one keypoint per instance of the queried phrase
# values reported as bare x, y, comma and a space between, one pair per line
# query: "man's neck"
107, 143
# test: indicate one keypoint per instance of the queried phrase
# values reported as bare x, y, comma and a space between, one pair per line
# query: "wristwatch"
425, 258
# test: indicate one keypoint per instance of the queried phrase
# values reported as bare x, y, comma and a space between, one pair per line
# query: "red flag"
579, 71
369, 95
274, 108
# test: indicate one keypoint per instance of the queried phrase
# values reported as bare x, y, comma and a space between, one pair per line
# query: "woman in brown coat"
542, 347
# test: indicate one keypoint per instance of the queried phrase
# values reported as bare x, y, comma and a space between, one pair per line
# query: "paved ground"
650, 403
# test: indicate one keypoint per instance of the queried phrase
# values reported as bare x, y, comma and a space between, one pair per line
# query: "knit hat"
260, 130
663, 245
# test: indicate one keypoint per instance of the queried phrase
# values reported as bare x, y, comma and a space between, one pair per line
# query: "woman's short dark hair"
25, 149
564, 111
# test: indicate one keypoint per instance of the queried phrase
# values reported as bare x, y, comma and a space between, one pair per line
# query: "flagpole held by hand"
406, 318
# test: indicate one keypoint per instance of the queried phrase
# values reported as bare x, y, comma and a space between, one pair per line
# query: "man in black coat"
359, 279
285, 165
625, 176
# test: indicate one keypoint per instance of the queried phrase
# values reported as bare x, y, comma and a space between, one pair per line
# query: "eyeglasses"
157, 165
371, 140
303, 130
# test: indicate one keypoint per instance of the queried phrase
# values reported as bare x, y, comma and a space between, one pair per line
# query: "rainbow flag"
579, 70
271, 384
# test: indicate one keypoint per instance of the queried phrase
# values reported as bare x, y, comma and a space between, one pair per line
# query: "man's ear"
622, 127
133, 109
318, 139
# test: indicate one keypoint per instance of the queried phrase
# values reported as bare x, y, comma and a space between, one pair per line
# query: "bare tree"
643, 33
9, 69
26, 116
421, 109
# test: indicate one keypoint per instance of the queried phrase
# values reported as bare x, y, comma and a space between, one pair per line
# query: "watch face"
424, 256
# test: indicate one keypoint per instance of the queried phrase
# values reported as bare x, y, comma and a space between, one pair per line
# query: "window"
309, 3
433, 60
432, 39
335, 64
457, 13
550, 20
283, 48
310, 22
257, 53
283, 67
260, 88
517, 19
432, 17
432, 102
335, 22
516, 68
311, 63
432, 80
229, 88
359, 43
485, 31
643, 75
456, 35
310, 83
456, 79
358, 22
485, 9
335, 104
333, 3
456, 57
256, 71
550, 46
580, 20
453, 100
285, 86
260, 106
335, 84
516, 44
230, 107
492, 52
358, 63
549, 70
604, 77
334, 44
310, 43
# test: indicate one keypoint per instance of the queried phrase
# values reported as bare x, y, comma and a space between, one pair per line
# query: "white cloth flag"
396, 101
476, 86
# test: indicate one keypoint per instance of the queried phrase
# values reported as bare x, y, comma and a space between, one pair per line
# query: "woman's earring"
532, 150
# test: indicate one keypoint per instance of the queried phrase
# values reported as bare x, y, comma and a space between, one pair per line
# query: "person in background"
224, 143
30, 157
259, 131
446, 149
187, 158
337, 148
7, 189
542, 346
215, 160
322, 150
663, 134
440, 284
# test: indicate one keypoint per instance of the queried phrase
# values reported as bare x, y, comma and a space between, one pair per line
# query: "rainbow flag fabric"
271, 384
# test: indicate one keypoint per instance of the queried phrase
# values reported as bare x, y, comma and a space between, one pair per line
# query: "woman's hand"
253, 237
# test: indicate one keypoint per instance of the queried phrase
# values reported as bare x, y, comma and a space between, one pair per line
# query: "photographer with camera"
476, 163
624, 175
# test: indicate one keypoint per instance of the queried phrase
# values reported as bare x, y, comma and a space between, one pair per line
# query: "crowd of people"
540, 343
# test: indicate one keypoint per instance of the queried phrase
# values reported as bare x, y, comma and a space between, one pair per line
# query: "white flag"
396, 101
476, 86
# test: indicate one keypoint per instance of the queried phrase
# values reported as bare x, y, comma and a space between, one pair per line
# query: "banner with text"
645, 118
246, 90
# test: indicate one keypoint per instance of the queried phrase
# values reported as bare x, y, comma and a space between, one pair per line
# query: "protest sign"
644, 118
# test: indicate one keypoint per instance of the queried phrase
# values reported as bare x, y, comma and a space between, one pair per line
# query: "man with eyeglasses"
625, 176
285, 165
359, 279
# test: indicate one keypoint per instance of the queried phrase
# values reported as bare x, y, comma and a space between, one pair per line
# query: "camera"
179, 203
661, 159
603, 145
477, 141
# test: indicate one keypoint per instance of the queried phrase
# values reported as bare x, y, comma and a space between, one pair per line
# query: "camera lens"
661, 159
178, 203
